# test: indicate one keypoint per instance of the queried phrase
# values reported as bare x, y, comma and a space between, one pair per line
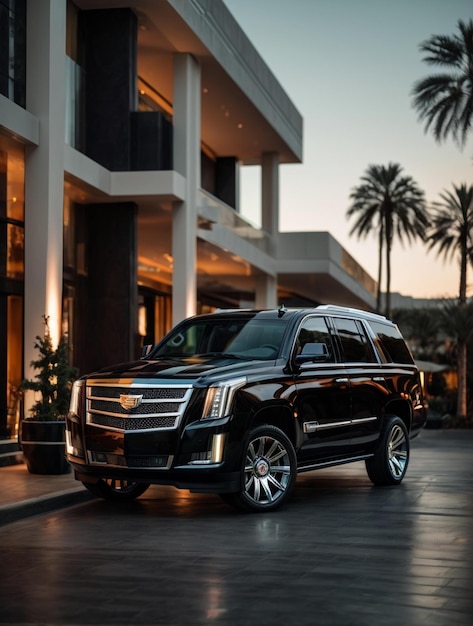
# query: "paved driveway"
340, 553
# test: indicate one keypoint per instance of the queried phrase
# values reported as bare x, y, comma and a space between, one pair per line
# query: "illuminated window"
12, 181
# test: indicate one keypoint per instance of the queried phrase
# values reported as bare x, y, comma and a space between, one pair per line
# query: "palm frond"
444, 101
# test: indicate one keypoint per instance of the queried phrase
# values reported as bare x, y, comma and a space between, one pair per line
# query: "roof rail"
345, 309
229, 310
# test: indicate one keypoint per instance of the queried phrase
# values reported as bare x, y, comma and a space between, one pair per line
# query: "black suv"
238, 402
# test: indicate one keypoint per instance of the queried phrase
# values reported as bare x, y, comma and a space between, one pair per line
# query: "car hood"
184, 368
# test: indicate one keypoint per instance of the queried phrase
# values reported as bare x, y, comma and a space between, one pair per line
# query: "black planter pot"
43, 446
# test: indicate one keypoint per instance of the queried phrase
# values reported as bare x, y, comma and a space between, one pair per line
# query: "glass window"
13, 50
242, 337
12, 181
314, 330
392, 344
15, 251
355, 345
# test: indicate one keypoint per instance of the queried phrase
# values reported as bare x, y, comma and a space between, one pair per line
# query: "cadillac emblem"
129, 401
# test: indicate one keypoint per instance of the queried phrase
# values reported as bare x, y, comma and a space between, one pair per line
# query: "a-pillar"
266, 286
44, 172
186, 150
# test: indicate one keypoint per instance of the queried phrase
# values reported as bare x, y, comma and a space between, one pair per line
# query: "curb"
43, 504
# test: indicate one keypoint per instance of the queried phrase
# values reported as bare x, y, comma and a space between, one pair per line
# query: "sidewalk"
23, 494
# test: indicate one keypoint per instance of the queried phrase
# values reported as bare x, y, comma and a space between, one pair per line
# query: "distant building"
399, 301
123, 129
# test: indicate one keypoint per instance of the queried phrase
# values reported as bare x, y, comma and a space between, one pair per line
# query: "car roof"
328, 309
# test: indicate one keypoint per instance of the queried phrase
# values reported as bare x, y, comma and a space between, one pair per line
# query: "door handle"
341, 380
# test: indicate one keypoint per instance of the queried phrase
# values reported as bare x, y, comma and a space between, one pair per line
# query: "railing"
214, 211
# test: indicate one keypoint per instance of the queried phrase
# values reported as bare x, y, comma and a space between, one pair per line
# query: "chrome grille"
152, 393
153, 406
134, 423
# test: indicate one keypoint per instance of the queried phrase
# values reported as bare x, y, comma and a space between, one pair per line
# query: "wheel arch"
401, 409
279, 415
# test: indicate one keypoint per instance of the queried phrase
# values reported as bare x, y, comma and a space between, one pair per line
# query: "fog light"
212, 456
217, 448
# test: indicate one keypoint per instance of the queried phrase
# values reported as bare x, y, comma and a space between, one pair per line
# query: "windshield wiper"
225, 355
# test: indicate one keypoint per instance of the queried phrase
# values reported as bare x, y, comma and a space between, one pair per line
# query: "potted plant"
42, 434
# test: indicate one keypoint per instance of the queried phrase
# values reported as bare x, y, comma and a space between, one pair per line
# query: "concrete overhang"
313, 265
18, 123
95, 183
245, 111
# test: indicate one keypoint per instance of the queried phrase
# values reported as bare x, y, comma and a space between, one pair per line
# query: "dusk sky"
349, 67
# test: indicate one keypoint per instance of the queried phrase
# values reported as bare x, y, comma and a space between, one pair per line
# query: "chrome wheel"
397, 452
389, 463
268, 473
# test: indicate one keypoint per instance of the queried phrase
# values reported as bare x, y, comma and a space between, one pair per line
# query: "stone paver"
341, 553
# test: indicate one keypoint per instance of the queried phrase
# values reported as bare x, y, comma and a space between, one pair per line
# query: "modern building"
124, 127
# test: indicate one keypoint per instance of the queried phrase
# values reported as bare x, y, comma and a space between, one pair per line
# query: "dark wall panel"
108, 39
112, 291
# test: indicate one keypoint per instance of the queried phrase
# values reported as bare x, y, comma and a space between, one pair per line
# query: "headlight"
219, 398
75, 397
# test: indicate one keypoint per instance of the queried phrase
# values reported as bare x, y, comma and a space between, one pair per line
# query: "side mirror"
312, 353
146, 350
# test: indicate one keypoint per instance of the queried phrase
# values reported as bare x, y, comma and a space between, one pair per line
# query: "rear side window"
355, 345
392, 344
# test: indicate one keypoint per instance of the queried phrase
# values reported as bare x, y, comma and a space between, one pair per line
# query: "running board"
308, 468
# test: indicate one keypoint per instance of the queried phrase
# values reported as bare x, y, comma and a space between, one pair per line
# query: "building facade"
124, 126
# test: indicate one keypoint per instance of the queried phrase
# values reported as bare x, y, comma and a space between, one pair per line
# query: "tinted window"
249, 337
355, 345
314, 330
392, 343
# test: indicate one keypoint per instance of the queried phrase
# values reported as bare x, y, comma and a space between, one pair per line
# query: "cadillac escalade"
237, 402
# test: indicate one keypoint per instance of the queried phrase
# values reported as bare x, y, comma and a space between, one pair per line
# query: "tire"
390, 461
268, 472
116, 490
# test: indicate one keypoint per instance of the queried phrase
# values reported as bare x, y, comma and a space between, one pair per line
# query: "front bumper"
201, 480
202, 457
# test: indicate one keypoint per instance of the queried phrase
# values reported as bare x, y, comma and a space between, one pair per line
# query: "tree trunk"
388, 265
463, 269
388, 282
462, 385
462, 344
380, 270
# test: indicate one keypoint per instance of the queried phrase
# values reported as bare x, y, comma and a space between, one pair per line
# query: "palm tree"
389, 205
421, 327
457, 322
451, 232
445, 100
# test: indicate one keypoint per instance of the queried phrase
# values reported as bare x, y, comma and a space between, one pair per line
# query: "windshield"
239, 338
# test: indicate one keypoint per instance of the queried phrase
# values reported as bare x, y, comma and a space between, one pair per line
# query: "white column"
266, 287
186, 147
270, 193
266, 293
44, 170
